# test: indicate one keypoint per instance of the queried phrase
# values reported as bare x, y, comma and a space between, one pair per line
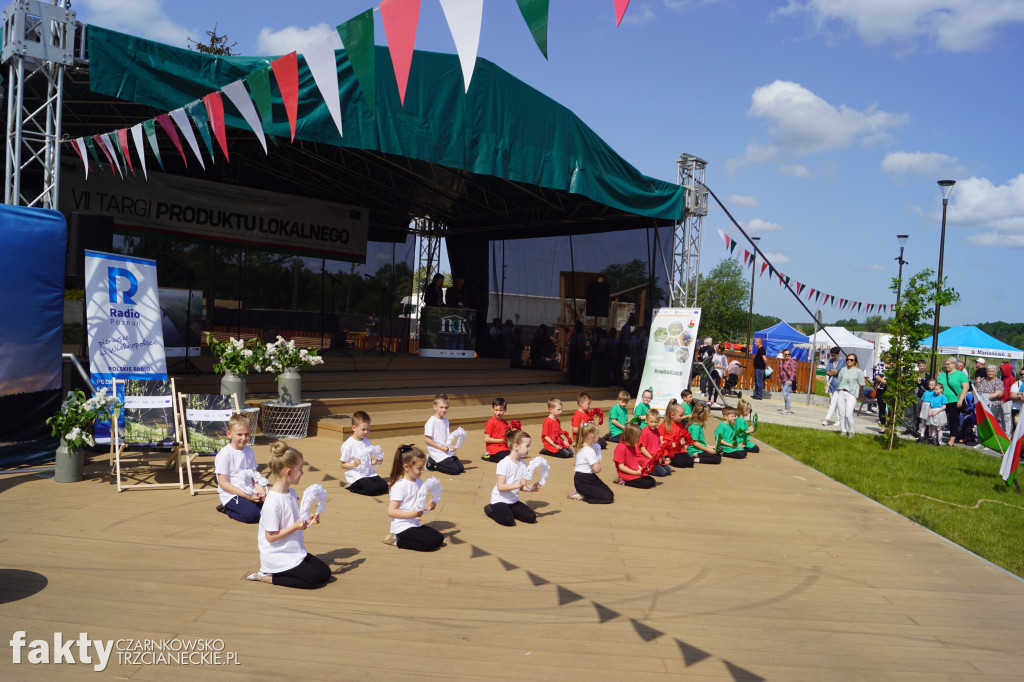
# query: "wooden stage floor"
756, 569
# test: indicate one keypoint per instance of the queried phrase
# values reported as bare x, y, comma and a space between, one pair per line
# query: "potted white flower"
284, 359
75, 425
235, 358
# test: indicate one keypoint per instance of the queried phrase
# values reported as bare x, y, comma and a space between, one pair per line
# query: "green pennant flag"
150, 128
120, 152
732, 247
771, 271
92, 151
817, 295
535, 12
787, 280
357, 37
259, 86
197, 111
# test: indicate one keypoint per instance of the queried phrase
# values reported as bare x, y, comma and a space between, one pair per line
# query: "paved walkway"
754, 569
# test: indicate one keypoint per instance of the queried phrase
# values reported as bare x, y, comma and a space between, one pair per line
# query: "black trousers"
564, 453
308, 575
613, 439
644, 482
953, 419
369, 485
507, 514
593, 489
734, 454
707, 458
752, 448
681, 460
420, 539
452, 466
498, 456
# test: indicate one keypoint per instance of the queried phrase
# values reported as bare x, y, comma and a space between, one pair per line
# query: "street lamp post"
945, 187
902, 239
750, 311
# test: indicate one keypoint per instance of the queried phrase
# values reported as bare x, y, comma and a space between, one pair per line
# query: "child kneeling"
505, 507
627, 460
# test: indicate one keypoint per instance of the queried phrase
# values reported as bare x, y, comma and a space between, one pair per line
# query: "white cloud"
682, 5
998, 240
638, 15
976, 202
759, 225
776, 258
920, 163
742, 200
754, 153
874, 267
953, 25
145, 18
803, 123
289, 38
796, 170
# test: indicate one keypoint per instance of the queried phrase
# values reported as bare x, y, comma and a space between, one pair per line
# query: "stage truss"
686, 234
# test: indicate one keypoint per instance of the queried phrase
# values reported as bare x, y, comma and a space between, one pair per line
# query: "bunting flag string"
464, 19
535, 13
215, 111
357, 37
181, 119
197, 112
323, 64
400, 18
139, 149
799, 288
620, 10
122, 141
286, 73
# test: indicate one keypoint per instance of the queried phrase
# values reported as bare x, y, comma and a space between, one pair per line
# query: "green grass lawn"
957, 475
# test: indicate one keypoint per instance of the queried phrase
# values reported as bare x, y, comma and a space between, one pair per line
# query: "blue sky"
825, 123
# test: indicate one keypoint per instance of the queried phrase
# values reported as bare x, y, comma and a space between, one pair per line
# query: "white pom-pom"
538, 463
243, 480
314, 493
374, 456
431, 487
457, 438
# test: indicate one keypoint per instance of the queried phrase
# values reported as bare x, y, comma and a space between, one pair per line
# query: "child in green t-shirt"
744, 428
687, 397
725, 435
644, 404
617, 417
700, 451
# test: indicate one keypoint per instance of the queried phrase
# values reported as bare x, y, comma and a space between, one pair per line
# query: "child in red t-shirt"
674, 414
650, 443
550, 433
582, 416
627, 461
494, 433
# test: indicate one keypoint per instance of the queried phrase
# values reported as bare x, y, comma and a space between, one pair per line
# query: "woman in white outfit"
851, 381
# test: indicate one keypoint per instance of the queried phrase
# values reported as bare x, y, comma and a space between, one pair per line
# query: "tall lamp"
750, 311
902, 239
945, 188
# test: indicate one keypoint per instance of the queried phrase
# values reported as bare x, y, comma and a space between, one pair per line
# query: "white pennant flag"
109, 146
84, 152
239, 96
323, 65
181, 118
137, 136
464, 17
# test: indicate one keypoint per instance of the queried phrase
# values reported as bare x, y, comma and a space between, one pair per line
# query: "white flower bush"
282, 355
76, 419
236, 356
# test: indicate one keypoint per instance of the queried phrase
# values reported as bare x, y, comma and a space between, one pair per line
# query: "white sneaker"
827, 422
390, 539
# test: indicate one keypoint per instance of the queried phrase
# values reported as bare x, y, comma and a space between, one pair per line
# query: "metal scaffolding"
686, 235
38, 44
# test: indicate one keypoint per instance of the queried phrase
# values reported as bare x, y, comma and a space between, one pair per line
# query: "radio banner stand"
670, 350
125, 331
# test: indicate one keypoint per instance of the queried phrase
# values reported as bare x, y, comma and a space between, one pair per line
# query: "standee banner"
447, 333
670, 350
201, 210
125, 330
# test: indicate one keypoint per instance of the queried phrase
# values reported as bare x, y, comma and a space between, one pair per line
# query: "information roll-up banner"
123, 319
447, 333
670, 350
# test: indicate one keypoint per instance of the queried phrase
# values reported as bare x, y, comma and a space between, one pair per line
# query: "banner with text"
447, 333
201, 210
670, 349
123, 317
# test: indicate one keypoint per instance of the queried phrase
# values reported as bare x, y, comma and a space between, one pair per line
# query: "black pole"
323, 294
750, 310
943, 185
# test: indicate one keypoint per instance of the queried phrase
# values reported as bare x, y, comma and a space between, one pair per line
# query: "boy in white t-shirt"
240, 499
440, 455
357, 462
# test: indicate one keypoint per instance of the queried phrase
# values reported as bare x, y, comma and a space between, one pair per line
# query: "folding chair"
204, 425
150, 430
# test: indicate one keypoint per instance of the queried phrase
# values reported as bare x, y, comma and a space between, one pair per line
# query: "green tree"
218, 44
908, 328
723, 296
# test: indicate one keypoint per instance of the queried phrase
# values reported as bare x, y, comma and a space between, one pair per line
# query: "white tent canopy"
862, 348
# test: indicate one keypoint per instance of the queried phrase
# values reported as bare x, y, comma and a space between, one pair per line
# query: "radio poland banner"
125, 331
201, 210
670, 350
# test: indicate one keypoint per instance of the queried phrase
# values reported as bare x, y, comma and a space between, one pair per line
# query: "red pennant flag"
746, 256
215, 109
728, 241
165, 122
286, 73
809, 294
763, 266
620, 10
400, 18
103, 148
122, 142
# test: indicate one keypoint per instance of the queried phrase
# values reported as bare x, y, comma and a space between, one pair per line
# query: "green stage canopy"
502, 159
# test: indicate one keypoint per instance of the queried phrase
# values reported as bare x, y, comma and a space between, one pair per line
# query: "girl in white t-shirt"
589, 488
505, 506
283, 556
406, 530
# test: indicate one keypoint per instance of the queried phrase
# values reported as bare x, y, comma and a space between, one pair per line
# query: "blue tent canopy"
969, 340
780, 337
